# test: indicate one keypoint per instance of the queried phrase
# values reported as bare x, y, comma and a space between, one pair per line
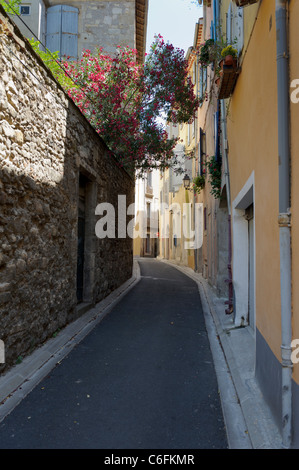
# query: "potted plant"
229, 55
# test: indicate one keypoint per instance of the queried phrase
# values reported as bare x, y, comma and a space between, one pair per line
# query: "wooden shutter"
229, 24
69, 31
53, 34
217, 133
238, 28
62, 30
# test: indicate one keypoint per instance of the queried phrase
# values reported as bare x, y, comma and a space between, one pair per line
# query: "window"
24, 10
149, 179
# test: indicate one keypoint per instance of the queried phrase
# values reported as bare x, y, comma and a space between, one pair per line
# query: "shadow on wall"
54, 170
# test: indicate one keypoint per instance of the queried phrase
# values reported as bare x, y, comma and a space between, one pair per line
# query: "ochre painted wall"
253, 147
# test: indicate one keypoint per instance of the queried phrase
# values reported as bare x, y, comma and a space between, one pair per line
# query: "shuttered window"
238, 28
62, 30
229, 37
235, 26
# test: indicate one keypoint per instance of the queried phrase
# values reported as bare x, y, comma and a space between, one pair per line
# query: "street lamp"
186, 181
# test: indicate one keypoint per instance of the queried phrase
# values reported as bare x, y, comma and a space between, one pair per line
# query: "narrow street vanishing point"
143, 378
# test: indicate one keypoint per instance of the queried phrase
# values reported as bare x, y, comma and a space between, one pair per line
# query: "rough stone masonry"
54, 170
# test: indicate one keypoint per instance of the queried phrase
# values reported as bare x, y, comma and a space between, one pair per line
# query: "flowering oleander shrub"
124, 100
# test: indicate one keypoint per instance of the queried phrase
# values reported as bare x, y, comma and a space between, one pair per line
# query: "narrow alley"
143, 378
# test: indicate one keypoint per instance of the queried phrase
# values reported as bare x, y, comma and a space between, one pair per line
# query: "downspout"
284, 218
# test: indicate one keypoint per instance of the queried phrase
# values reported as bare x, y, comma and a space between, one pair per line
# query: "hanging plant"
214, 169
198, 183
206, 52
209, 53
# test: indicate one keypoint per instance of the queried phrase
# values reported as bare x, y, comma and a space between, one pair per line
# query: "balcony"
228, 80
244, 3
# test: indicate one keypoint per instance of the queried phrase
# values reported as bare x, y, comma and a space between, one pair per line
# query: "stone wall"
105, 23
46, 146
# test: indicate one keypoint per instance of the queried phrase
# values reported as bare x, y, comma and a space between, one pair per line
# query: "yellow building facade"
177, 203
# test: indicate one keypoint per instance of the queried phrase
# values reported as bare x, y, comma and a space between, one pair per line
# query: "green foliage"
51, 59
11, 6
208, 52
214, 170
198, 183
211, 52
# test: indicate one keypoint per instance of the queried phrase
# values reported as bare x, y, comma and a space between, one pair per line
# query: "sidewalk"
235, 351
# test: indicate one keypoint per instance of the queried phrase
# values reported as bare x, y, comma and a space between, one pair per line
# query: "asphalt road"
142, 379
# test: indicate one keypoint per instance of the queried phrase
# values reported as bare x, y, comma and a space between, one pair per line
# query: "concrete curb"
22, 378
248, 419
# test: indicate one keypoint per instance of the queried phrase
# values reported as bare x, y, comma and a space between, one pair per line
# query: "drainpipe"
284, 218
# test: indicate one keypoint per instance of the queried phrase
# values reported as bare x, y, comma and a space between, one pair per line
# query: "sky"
175, 20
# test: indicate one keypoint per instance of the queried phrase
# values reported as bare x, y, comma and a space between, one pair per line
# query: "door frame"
244, 199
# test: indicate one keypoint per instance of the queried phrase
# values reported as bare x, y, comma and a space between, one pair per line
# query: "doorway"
86, 244
81, 237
